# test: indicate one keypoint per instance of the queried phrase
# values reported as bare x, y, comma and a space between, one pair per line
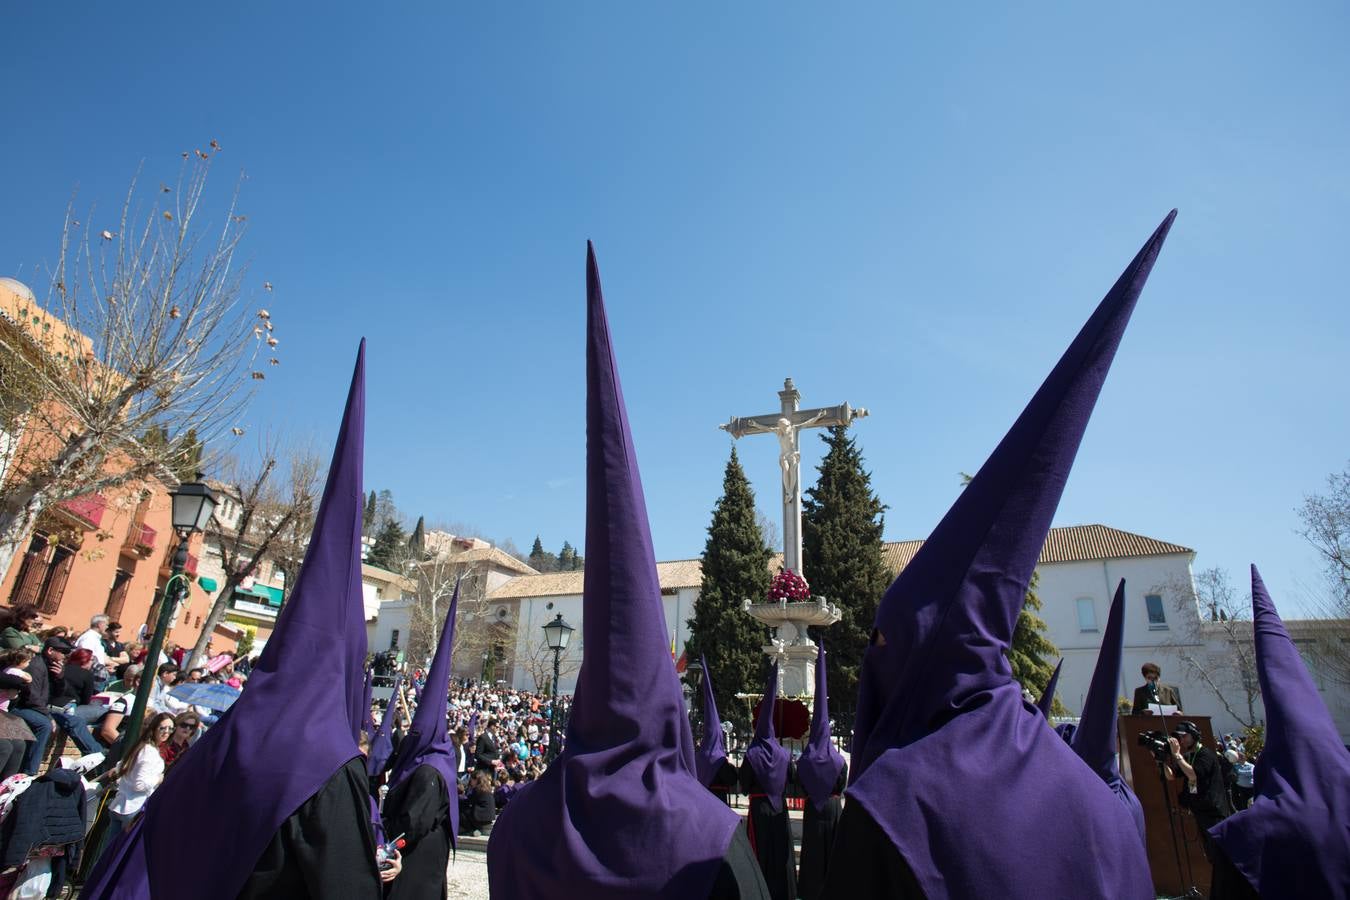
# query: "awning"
269, 595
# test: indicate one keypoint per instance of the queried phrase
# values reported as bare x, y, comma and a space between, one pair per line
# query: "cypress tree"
417, 541
735, 568
390, 548
368, 515
1032, 655
540, 559
567, 558
842, 522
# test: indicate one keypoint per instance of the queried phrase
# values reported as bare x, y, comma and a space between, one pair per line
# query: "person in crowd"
422, 802
1243, 772
1205, 793
94, 640
167, 676
950, 790
185, 728
33, 703
70, 700
113, 645
480, 805
1154, 691
1292, 841
822, 773
764, 777
273, 800
487, 751
139, 773
621, 812
108, 729
15, 735
460, 738
19, 626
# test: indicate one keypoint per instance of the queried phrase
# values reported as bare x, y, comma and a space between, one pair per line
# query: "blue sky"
909, 208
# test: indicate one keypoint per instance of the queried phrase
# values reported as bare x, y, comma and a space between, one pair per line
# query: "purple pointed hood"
712, 751
244, 777
819, 765
428, 740
1294, 840
620, 813
1047, 701
767, 758
936, 685
382, 742
1094, 739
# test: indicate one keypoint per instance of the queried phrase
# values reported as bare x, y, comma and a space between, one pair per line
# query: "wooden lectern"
1175, 854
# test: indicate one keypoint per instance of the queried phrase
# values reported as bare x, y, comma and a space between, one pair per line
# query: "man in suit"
486, 749
1153, 691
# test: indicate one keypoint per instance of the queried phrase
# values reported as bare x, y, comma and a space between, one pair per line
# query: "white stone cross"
787, 424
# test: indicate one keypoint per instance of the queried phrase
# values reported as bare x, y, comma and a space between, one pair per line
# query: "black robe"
1228, 883
325, 849
864, 863
818, 830
739, 877
724, 781
419, 810
771, 838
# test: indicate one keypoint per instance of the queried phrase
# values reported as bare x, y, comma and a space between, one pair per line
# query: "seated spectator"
32, 703
185, 728
159, 694
139, 773
19, 626
70, 700
479, 808
15, 735
109, 728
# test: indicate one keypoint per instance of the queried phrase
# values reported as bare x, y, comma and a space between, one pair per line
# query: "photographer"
1205, 794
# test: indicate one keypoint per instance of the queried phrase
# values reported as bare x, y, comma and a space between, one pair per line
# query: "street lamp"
193, 505
556, 635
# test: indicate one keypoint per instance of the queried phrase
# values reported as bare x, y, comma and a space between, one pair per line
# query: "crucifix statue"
787, 424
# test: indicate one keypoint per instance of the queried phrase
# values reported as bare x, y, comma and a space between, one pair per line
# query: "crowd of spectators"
502, 738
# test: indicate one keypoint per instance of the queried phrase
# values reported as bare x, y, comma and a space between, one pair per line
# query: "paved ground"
468, 875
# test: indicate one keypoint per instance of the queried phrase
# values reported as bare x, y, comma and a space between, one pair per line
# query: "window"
117, 595
1157, 618
393, 639
1307, 649
1087, 614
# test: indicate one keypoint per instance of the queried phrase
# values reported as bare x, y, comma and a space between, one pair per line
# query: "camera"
1156, 742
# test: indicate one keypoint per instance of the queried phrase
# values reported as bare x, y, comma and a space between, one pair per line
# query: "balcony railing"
140, 540
190, 567
87, 509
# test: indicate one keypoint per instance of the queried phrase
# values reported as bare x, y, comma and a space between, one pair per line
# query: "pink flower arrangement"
788, 585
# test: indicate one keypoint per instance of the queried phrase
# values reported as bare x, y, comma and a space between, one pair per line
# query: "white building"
1078, 572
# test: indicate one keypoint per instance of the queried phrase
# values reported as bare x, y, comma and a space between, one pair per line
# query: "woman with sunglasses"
185, 727
140, 772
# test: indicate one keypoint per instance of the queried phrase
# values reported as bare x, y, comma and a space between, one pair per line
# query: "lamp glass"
557, 633
193, 505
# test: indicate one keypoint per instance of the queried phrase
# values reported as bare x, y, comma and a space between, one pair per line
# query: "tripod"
1188, 873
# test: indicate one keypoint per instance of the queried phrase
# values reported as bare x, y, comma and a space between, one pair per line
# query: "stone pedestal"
791, 645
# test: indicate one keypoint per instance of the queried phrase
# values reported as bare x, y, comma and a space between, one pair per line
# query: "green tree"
417, 541
390, 548
842, 523
1032, 655
368, 515
567, 558
540, 559
735, 568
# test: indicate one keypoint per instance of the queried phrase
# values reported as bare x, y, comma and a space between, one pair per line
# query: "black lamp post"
556, 635
193, 505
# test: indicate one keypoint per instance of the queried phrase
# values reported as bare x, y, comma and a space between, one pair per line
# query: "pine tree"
1032, 655
842, 523
390, 548
567, 558
368, 516
735, 568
